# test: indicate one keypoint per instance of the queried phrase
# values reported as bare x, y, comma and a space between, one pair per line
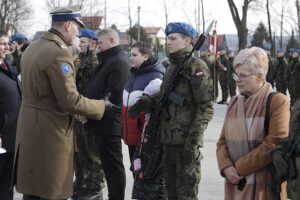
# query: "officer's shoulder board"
62, 46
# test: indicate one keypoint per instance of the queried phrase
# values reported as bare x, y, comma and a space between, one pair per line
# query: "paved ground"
211, 186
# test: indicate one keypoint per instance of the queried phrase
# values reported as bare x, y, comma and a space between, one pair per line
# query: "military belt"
45, 103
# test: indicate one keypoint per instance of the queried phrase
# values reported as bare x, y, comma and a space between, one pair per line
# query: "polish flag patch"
199, 74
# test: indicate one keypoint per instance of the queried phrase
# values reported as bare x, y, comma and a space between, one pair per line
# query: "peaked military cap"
88, 33
70, 13
181, 27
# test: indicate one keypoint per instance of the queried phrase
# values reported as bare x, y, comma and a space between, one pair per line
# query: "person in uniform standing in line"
230, 71
280, 70
45, 141
291, 78
222, 63
88, 168
108, 82
182, 126
10, 102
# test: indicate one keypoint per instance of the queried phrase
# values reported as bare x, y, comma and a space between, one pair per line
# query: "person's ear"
146, 57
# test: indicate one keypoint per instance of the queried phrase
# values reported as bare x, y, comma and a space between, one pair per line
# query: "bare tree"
240, 23
203, 19
298, 16
13, 13
270, 30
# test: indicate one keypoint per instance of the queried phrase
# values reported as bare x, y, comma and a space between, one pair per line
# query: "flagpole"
215, 58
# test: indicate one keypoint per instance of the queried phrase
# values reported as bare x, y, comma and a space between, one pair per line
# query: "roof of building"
92, 22
152, 30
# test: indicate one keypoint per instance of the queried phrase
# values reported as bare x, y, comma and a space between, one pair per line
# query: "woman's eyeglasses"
240, 77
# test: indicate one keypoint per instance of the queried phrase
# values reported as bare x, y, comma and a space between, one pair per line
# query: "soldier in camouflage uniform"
289, 77
182, 125
280, 70
88, 168
270, 74
19, 44
209, 60
230, 71
282, 167
223, 74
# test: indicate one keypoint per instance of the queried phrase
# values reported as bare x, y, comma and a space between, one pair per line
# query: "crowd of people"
68, 99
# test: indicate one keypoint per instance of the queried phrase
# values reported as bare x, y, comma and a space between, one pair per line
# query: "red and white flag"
213, 46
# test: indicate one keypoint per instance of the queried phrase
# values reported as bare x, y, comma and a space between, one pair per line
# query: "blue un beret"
88, 33
280, 50
296, 50
17, 37
181, 27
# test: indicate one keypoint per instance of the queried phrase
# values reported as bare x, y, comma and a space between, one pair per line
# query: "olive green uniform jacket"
45, 140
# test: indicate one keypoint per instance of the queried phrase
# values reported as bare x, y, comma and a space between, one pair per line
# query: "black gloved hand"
143, 104
111, 110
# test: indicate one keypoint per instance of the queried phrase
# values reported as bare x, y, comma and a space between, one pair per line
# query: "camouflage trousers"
182, 172
224, 85
89, 159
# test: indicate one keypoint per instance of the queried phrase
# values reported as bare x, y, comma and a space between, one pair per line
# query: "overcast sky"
152, 14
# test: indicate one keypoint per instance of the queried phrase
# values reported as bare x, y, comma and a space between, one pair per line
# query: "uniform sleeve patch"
66, 68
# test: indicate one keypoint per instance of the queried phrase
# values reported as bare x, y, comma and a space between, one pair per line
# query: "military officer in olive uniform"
182, 126
45, 140
88, 168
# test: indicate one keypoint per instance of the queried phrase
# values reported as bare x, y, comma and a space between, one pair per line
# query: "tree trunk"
270, 30
298, 18
240, 24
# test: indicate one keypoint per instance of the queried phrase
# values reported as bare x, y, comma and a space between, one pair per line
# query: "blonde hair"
254, 58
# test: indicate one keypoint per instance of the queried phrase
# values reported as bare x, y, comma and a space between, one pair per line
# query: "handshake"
111, 110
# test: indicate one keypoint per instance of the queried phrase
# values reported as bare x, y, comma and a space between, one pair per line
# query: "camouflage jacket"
88, 66
184, 125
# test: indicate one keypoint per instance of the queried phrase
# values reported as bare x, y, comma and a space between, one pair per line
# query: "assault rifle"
82, 66
150, 155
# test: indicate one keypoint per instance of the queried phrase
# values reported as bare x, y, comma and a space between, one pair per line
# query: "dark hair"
3, 33
143, 48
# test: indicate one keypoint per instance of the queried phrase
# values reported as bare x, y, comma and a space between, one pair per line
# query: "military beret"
280, 50
17, 37
181, 27
70, 13
88, 33
296, 50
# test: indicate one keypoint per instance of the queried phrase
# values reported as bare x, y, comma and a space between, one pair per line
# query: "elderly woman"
243, 149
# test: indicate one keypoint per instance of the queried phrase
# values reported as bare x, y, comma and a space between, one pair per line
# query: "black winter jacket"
108, 82
10, 101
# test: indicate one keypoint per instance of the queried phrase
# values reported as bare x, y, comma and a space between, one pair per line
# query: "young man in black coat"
108, 83
10, 101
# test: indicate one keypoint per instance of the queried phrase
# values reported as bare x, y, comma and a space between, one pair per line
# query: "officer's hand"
81, 119
111, 110
139, 106
279, 163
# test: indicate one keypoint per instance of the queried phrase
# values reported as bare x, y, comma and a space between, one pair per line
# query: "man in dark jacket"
10, 102
108, 83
